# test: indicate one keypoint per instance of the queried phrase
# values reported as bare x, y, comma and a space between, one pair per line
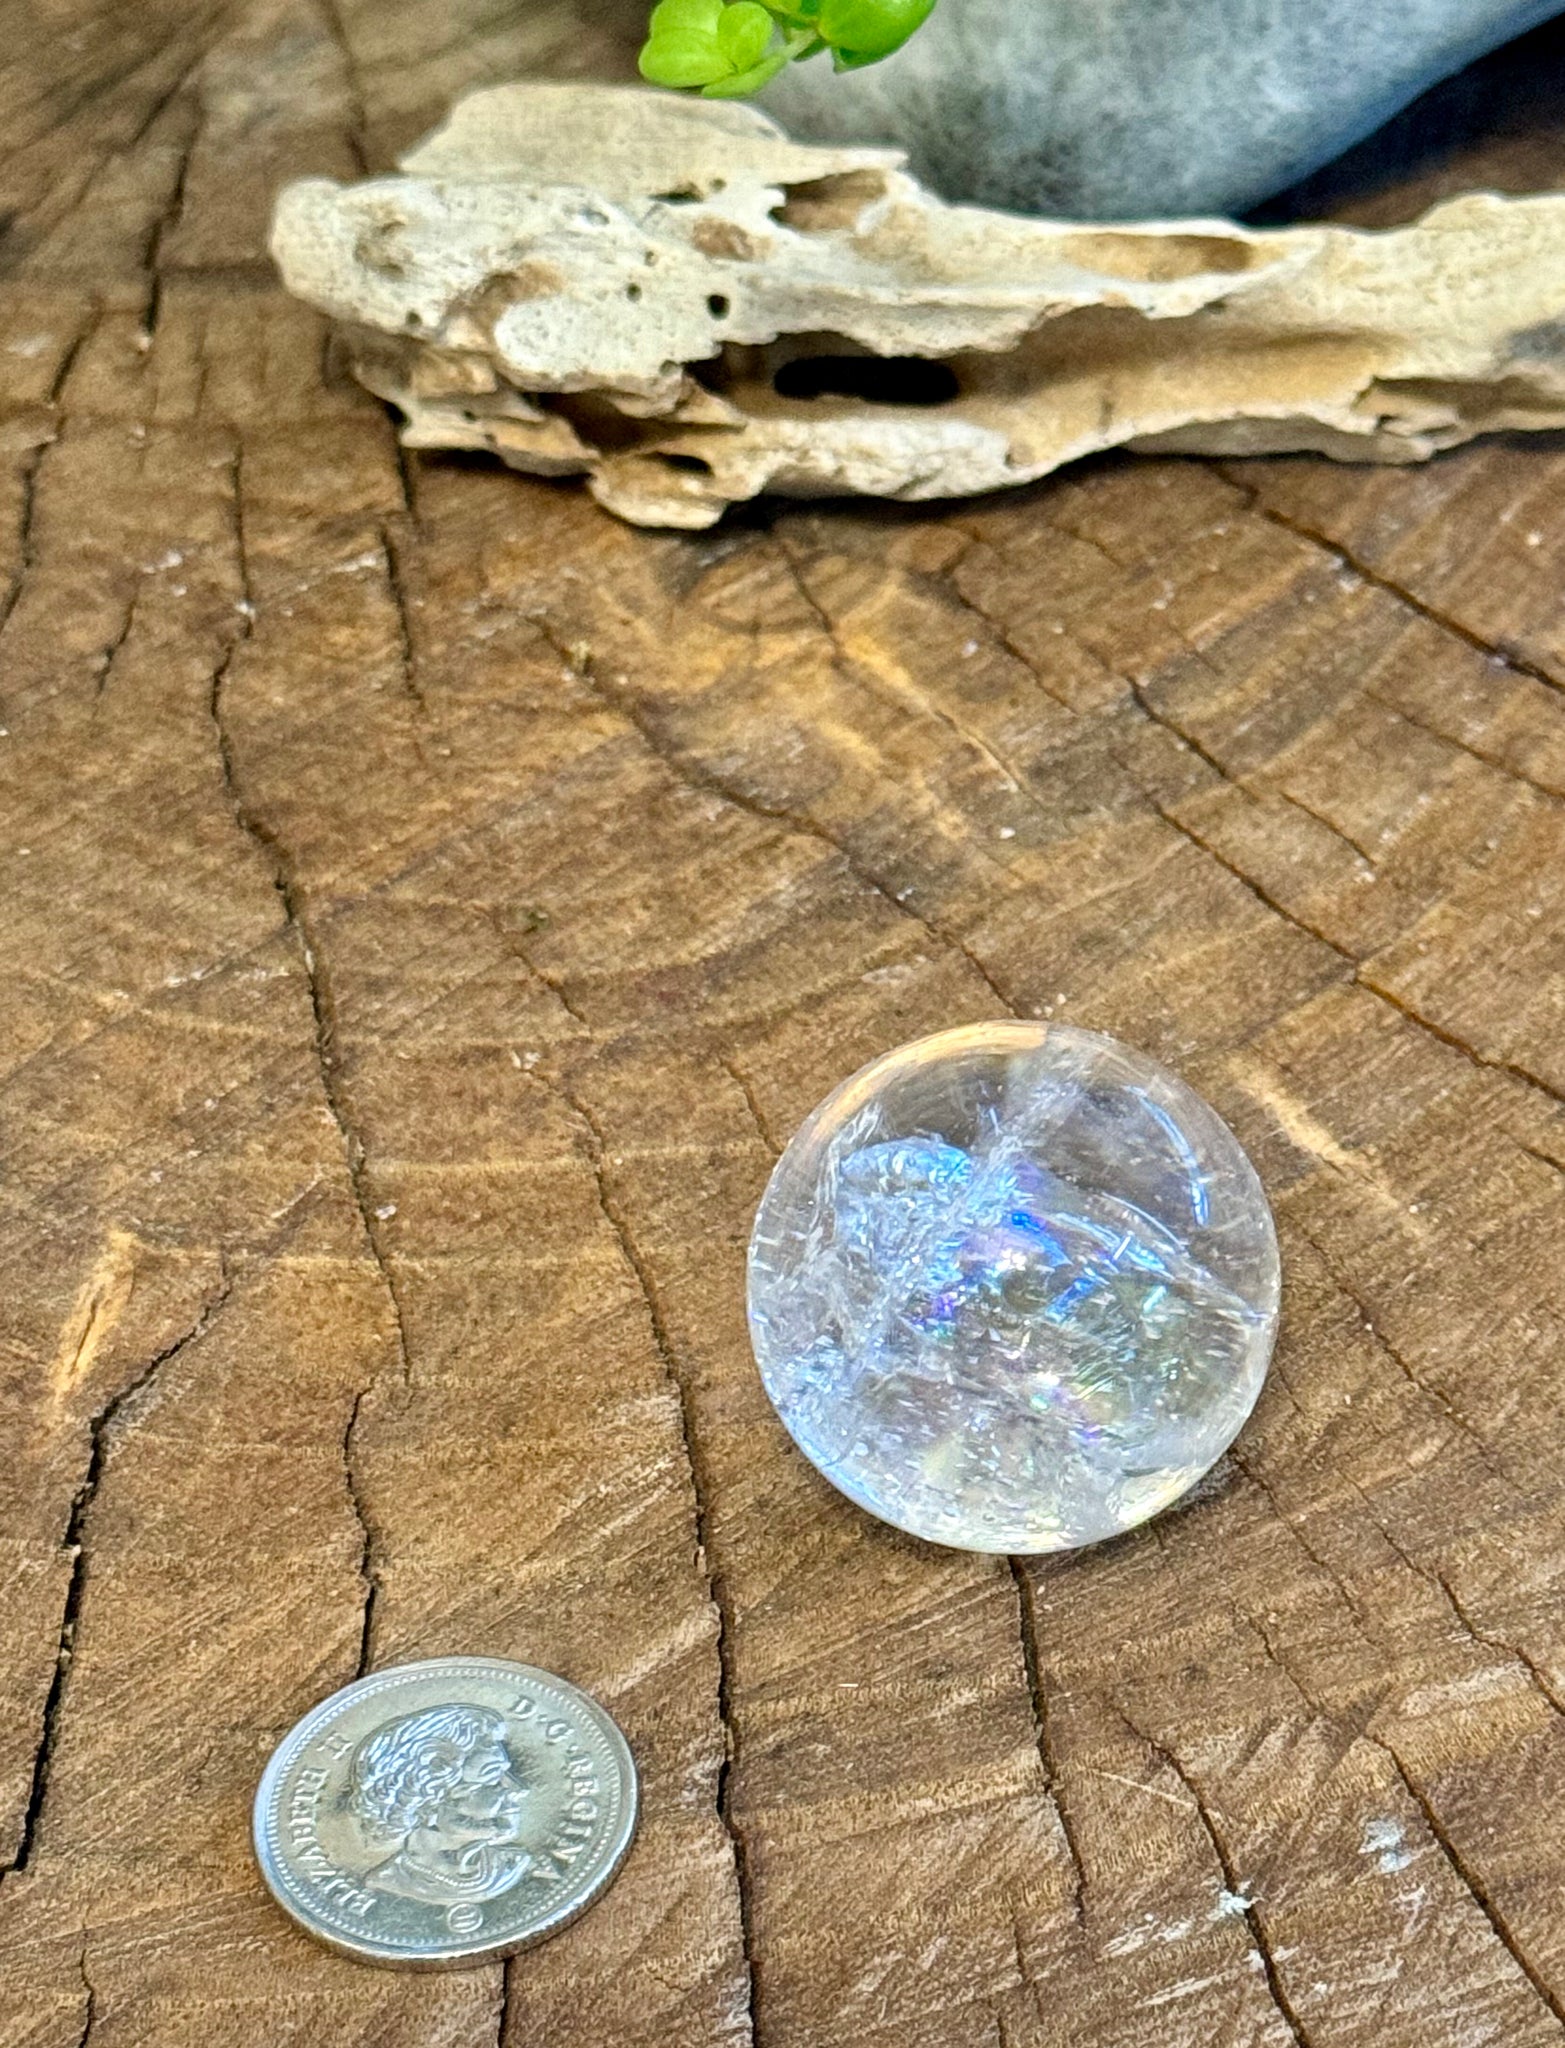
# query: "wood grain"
430, 904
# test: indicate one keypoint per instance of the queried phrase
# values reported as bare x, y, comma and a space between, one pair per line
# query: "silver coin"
444, 1813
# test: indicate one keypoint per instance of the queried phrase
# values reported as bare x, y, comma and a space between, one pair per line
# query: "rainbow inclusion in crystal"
1014, 1287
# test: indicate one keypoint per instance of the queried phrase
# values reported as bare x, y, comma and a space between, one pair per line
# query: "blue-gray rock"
1127, 109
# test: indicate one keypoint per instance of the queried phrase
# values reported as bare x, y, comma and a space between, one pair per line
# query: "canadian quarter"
440, 1814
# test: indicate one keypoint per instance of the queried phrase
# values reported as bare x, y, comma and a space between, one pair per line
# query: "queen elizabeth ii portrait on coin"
442, 1786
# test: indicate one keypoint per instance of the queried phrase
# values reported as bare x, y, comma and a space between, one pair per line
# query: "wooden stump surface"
428, 905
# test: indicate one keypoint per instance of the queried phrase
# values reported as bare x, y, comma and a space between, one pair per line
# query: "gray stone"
1118, 109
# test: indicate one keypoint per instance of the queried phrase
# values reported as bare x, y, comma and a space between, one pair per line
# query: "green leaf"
681, 57
699, 15
743, 83
864, 31
726, 50
743, 32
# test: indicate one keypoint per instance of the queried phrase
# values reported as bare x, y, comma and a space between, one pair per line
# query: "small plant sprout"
728, 49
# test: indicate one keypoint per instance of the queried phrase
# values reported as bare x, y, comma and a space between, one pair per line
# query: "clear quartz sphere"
1014, 1287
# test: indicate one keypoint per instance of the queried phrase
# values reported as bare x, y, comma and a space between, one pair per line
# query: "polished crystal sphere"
1014, 1287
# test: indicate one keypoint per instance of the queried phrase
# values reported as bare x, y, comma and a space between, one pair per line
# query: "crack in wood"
503, 2015
1258, 890
106, 659
1345, 558
406, 657
907, 693
511, 940
1233, 1884
1547, 1159
1026, 1607
1365, 1719
1362, 975
1356, 846
1457, 1043
1360, 1725
32, 470
369, 1575
163, 100
73, 1543
1156, 716
324, 1037
700, 1490
89, 2016
1536, 1677
407, 476
353, 1156
357, 126
1450, 739
173, 210
948, 579
1294, 1526
695, 774
741, 1081
1382, 1343
91, 87
1486, 1639
1473, 1884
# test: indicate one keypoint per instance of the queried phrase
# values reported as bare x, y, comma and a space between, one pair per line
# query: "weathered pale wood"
429, 904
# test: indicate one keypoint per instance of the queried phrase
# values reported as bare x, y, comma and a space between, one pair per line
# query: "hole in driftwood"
595, 419
878, 380
717, 306
380, 247
821, 204
598, 421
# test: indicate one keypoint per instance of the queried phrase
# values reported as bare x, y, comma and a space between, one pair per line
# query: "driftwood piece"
428, 902
673, 300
